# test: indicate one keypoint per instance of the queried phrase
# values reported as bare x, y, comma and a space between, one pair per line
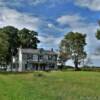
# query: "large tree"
16, 38
4, 45
27, 38
12, 39
73, 45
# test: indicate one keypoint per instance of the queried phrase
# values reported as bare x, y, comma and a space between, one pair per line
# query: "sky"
52, 19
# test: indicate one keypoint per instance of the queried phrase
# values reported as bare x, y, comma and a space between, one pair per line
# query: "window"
54, 58
29, 57
41, 58
49, 57
35, 57
45, 57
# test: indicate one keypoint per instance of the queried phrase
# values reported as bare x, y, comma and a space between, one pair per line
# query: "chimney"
52, 49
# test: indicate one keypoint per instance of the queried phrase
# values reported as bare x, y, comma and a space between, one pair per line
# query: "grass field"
50, 86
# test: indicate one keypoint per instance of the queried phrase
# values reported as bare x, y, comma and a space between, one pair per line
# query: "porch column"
20, 59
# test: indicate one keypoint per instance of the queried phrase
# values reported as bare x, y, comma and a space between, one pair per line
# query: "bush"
39, 74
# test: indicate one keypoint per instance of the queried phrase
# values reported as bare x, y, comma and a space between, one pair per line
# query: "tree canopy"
98, 38
27, 38
73, 45
98, 34
12, 38
4, 44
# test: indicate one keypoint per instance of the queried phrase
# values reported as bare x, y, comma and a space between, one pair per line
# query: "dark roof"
39, 51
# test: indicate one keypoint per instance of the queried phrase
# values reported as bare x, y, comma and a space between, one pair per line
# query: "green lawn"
50, 86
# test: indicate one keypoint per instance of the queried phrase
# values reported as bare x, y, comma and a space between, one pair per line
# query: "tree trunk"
76, 64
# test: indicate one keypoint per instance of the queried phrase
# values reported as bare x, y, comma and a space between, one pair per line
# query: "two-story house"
35, 59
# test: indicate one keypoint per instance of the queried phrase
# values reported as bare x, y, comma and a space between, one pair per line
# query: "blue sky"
53, 18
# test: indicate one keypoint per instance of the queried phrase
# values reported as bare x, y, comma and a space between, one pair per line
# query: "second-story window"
54, 58
49, 57
40, 57
35, 57
45, 57
29, 57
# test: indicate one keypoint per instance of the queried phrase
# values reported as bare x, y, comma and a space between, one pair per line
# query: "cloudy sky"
53, 18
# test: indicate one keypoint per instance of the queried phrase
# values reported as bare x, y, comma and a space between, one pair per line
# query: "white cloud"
36, 2
50, 25
91, 4
50, 41
71, 20
77, 23
51, 3
68, 19
18, 19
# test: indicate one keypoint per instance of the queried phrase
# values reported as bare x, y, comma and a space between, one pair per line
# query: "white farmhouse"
34, 59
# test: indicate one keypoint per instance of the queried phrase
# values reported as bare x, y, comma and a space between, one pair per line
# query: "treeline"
12, 38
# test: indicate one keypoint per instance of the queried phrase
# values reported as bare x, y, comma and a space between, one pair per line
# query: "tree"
27, 38
11, 32
73, 45
98, 37
4, 44
11, 38
62, 58
98, 32
16, 38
